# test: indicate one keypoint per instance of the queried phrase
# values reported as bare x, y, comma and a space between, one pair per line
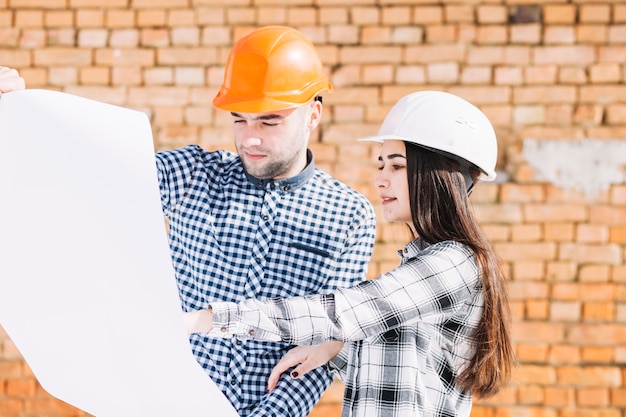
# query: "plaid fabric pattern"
410, 331
233, 236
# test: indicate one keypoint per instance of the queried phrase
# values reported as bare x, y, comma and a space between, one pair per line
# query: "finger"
285, 363
303, 368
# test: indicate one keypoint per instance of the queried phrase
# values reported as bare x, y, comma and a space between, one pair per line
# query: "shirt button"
258, 259
251, 332
238, 342
233, 381
266, 217
223, 329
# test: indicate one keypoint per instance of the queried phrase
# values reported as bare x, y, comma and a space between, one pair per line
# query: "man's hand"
199, 321
10, 80
306, 358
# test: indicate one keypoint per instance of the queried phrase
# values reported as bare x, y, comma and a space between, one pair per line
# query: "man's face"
273, 145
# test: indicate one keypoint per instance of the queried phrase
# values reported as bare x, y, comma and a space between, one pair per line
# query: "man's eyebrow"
262, 117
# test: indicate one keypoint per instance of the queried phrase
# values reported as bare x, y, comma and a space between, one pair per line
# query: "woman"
426, 336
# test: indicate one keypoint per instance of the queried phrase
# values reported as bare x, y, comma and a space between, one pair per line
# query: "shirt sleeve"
431, 287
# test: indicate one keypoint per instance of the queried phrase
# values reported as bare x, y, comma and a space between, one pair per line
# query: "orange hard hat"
272, 68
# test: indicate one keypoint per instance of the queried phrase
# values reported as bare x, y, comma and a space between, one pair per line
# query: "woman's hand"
10, 80
306, 358
199, 321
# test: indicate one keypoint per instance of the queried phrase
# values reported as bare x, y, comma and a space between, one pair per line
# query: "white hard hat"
445, 123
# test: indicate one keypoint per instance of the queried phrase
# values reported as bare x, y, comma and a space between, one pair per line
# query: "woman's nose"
380, 181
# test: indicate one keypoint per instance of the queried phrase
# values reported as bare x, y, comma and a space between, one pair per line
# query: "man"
265, 222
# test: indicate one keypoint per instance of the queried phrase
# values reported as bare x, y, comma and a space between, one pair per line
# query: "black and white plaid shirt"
410, 332
233, 236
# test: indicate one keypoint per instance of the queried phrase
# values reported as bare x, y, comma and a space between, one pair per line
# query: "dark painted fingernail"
294, 374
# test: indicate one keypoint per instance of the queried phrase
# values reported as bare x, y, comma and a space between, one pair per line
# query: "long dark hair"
441, 211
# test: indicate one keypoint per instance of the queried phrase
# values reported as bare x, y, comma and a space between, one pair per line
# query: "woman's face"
392, 182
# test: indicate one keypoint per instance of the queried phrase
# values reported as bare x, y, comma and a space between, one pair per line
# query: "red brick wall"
557, 73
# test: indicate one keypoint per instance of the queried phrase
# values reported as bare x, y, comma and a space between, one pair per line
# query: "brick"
423, 54
124, 38
334, 15
526, 233
151, 18
598, 354
529, 115
370, 54
365, 15
397, 15
527, 33
551, 213
591, 34
116, 18
530, 394
534, 374
94, 75
442, 73
565, 311
458, 13
597, 334
564, 354
536, 332
29, 18
491, 14
561, 271
572, 75
20, 387
563, 35
531, 352
499, 213
346, 34
579, 55
545, 94
559, 397
181, 17
594, 273
559, 14
609, 215
32, 38
594, 13
601, 311
59, 18
89, 18
476, 75
185, 36
508, 76
407, 35
527, 290
62, 56
537, 310
592, 233
186, 56
125, 57
93, 38
590, 376
428, 15
302, 16
441, 33
126, 76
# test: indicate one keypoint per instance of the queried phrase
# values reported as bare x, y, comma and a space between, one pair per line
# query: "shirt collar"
286, 184
412, 249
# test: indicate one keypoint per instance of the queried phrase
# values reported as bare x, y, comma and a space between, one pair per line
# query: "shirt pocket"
311, 249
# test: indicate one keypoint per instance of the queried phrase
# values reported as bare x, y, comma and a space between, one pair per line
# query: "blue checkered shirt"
233, 236
410, 332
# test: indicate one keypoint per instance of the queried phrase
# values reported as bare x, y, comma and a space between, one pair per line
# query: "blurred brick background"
548, 73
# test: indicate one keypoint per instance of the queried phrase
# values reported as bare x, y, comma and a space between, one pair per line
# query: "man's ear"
315, 115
